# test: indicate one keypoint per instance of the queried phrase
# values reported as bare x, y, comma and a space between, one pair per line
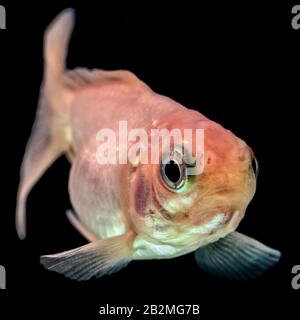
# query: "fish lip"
228, 211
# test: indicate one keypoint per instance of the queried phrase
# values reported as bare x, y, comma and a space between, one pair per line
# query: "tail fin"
56, 43
47, 141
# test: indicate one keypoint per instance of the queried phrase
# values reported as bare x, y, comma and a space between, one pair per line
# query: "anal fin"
80, 227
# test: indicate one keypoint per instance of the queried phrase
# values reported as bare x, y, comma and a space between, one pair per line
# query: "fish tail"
56, 43
49, 137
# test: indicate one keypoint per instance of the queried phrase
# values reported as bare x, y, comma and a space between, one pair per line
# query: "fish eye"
173, 173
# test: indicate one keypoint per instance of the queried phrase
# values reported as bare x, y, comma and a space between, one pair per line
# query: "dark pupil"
172, 171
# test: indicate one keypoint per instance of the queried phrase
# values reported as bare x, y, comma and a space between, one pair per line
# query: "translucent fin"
236, 257
95, 259
42, 149
57, 37
47, 139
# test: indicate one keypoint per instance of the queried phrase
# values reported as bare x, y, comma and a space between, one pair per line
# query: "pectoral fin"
95, 259
236, 257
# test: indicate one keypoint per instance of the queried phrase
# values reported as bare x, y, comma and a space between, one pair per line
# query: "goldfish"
138, 210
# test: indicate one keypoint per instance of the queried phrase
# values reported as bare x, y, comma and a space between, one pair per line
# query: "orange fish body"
134, 210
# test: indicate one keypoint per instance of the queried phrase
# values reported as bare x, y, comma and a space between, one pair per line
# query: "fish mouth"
211, 221
207, 215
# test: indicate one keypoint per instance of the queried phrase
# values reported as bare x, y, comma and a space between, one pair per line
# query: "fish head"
175, 205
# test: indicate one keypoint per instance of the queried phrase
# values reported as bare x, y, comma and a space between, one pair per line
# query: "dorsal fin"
83, 77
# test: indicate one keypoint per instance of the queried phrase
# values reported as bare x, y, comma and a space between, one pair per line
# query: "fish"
135, 210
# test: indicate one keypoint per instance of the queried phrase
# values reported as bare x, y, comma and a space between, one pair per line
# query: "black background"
237, 63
